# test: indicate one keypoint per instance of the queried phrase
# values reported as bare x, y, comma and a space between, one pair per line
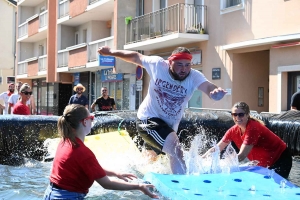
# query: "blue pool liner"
250, 183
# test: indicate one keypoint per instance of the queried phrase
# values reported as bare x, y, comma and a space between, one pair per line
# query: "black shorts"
154, 132
284, 164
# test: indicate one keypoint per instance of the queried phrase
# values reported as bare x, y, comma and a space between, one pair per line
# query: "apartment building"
250, 48
8, 9
247, 47
57, 42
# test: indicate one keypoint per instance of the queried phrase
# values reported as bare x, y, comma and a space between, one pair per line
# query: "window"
140, 8
163, 4
84, 36
227, 6
230, 3
41, 50
9, 79
76, 38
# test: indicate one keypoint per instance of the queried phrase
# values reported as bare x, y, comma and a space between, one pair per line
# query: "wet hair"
181, 50
70, 121
242, 105
24, 87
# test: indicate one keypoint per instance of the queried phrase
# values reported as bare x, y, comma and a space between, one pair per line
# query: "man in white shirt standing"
172, 84
5, 96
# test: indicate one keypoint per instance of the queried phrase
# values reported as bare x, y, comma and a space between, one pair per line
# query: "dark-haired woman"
75, 167
256, 142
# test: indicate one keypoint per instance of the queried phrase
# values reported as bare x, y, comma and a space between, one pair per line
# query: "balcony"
22, 68
42, 63
82, 57
93, 47
34, 28
176, 25
79, 12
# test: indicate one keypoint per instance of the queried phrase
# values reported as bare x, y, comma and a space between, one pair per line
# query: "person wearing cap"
105, 102
79, 98
295, 101
172, 83
5, 96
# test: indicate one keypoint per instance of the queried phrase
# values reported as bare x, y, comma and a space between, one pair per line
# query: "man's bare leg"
173, 150
149, 154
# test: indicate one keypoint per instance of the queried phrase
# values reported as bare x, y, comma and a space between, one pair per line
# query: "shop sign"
106, 61
139, 85
76, 78
216, 73
107, 75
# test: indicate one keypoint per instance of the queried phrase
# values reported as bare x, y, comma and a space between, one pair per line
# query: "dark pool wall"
23, 136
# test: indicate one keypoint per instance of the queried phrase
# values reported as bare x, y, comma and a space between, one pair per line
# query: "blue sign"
76, 78
107, 75
107, 60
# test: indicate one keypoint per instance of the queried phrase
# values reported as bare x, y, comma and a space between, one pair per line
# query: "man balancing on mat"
172, 83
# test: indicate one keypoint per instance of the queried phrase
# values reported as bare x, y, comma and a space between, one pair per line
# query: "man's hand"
217, 94
104, 50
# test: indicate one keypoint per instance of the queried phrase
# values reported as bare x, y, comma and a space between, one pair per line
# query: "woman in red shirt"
256, 142
75, 166
21, 108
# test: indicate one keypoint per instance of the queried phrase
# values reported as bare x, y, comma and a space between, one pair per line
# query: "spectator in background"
13, 99
5, 96
105, 102
22, 107
295, 101
79, 98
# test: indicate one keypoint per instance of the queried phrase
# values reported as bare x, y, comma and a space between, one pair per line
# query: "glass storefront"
118, 90
43, 94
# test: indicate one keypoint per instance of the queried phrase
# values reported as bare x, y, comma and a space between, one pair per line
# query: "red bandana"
179, 56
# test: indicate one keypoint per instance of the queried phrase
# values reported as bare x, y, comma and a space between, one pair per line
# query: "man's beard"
12, 90
176, 76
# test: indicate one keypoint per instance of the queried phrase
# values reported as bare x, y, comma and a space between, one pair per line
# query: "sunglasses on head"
238, 114
26, 93
91, 117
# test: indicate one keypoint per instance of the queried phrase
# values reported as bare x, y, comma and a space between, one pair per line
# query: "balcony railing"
43, 18
178, 18
23, 29
63, 58
22, 67
93, 47
63, 8
43, 63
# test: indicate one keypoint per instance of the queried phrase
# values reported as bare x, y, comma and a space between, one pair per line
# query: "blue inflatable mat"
249, 183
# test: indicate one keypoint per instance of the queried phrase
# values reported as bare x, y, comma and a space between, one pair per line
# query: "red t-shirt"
75, 169
267, 147
21, 109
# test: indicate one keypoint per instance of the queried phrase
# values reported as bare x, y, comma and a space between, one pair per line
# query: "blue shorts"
61, 194
154, 132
